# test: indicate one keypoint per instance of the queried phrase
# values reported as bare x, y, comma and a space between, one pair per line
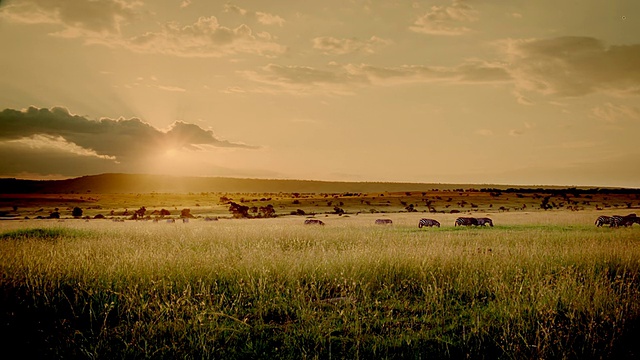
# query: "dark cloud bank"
89, 146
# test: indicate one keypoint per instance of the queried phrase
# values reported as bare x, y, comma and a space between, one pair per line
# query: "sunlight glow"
171, 153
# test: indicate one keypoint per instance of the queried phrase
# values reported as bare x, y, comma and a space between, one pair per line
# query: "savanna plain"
543, 283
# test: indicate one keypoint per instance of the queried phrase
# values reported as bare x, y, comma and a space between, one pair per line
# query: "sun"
171, 153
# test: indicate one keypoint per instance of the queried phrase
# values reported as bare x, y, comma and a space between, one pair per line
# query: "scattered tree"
545, 203
186, 213
238, 211
267, 211
77, 212
140, 212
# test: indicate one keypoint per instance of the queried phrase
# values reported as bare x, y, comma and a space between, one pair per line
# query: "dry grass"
537, 285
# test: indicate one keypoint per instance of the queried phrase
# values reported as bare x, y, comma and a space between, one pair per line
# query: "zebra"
484, 221
313, 222
171, 221
602, 220
428, 222
185, 220
384, 222
466, 221
628, 220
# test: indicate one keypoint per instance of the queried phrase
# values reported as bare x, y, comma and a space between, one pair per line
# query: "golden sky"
455, 91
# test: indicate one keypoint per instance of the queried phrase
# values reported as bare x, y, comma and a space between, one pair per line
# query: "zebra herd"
313, 222
428, 222
612, 221
384, 222
617, 220
466, 221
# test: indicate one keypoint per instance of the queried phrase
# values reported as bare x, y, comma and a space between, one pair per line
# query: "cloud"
154, 84
574, 66
100, 22
342, 79
308, 75
233, 90
521, 99
185, 135
120, 141
334, 46
469, 72
56, 143
269, 19
171, 88
235, 9
76, 16
301, 80
446, 20
261, 17
526, 127
612, 113
204, 38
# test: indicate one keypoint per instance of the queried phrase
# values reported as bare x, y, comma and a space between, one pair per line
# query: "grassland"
540, 284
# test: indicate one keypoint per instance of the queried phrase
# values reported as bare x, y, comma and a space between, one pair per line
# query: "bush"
77, 212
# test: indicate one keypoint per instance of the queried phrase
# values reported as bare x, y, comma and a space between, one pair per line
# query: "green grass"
278, 289
40, 234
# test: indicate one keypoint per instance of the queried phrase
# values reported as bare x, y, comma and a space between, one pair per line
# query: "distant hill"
137, 183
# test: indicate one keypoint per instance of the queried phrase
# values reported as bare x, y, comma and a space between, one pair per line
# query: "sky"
454, 91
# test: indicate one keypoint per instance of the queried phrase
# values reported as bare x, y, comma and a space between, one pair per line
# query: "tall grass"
278, 289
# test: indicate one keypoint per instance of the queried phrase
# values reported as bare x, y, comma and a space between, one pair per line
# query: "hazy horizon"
524, 185
447, 91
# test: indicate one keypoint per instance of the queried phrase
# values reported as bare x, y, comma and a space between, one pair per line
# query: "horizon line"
2, 177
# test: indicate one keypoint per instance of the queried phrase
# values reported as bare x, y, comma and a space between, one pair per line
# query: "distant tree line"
563, 191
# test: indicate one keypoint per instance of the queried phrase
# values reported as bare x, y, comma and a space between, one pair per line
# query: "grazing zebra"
484, 221
171, 220
628, 220
384, 222
466, 221
313, 222
601, 220
428, 222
